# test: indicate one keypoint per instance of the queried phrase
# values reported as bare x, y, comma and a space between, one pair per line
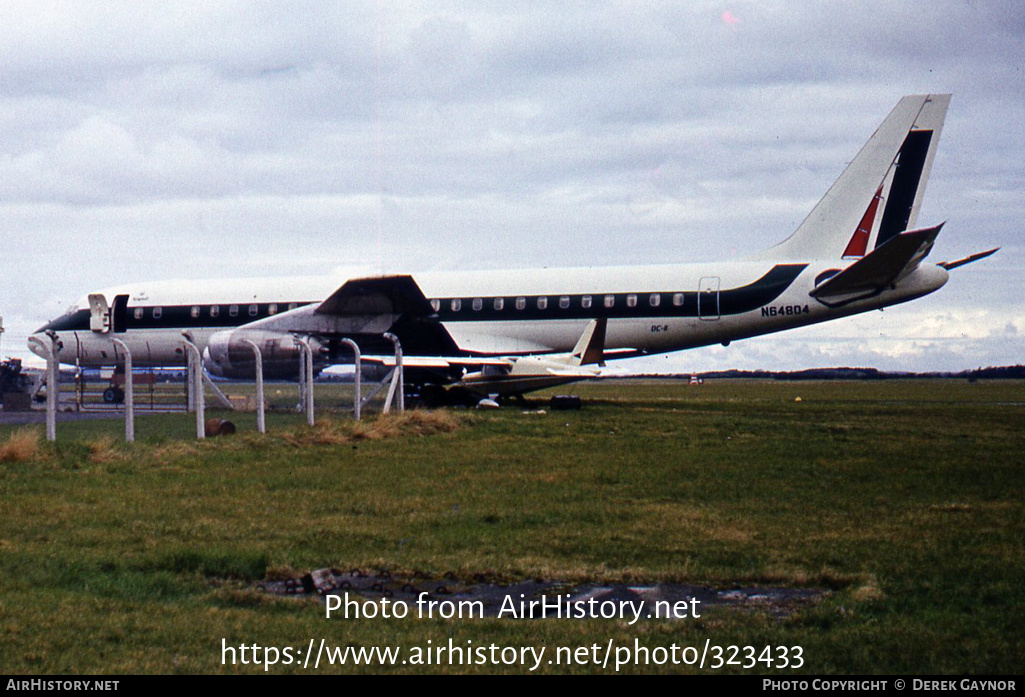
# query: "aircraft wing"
477, 362
516, 374
881, 268
386, 295
365, 306
439, 362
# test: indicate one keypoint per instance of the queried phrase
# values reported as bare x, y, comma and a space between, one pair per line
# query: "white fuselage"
650, 309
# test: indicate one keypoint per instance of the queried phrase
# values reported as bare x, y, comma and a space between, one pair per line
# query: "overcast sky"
159, 140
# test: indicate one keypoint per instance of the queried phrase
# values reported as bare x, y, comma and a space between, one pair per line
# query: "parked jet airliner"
506, 333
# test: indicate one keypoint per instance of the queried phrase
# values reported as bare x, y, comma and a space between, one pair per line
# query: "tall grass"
21, 446
413, 423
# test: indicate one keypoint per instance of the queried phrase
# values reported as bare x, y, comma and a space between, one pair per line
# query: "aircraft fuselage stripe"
633, 305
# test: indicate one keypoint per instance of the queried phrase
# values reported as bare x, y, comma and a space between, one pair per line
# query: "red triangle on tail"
859, 240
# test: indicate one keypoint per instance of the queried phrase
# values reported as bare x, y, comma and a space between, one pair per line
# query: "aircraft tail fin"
880, 193
590, 347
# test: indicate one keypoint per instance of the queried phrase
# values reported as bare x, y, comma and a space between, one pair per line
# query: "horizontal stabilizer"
948, 265
880, 269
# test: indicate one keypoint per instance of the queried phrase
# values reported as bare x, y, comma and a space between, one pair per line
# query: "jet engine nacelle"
228, 355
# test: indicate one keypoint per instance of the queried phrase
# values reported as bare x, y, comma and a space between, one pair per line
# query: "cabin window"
521, 303
631, 300
585, 302
272, 309
194, 312
233, 310
292, 306
610, 301
654, 299
138, 313
253, 309
478, 304
436, 304
215, 310
678, 299
499, 303
564, 302
456, 304
157, 311
542, 302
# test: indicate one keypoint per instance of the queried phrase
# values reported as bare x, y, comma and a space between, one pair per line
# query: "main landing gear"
113, 395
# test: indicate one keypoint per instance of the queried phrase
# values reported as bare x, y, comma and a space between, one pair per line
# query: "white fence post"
306, 376
52, 387
261, 424
397, 378
196, 372
358, 399
129, 393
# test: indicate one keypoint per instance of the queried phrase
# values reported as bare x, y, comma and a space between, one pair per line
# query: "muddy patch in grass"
447, 596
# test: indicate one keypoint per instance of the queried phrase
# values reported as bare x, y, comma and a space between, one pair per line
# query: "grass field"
903, 499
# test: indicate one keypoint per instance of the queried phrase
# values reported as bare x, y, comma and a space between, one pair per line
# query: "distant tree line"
1013, 372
